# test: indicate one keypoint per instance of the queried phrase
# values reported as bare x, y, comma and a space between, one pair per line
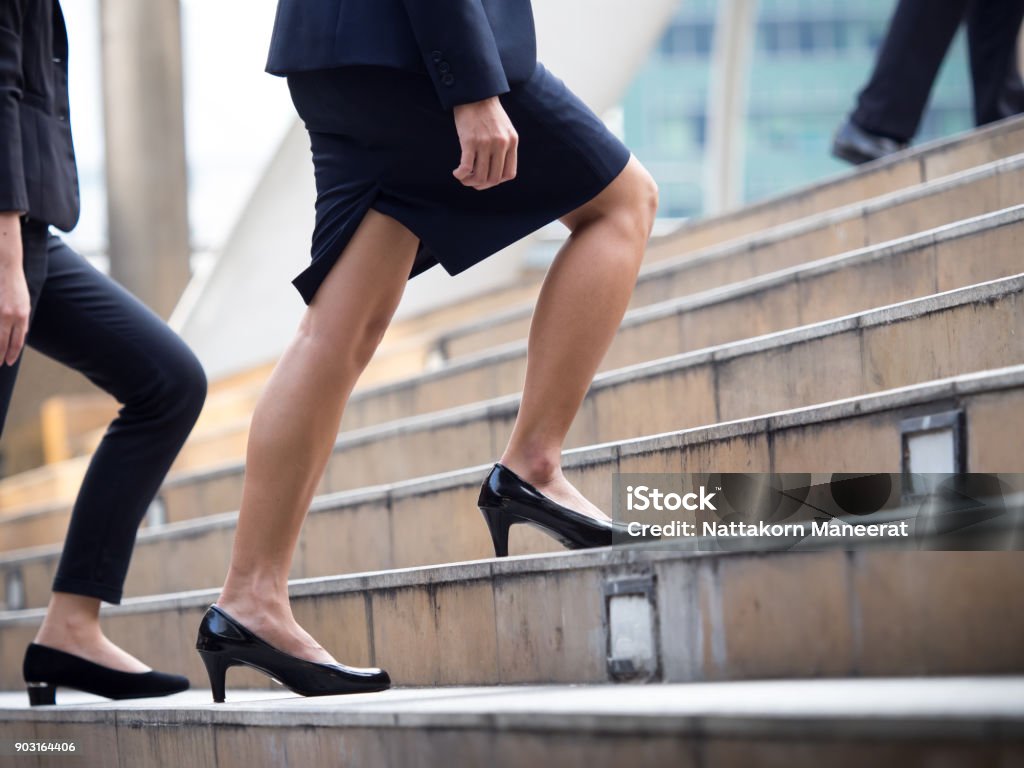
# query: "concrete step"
435, 520
974, 192
899, 171
969, 329
961, 721
695, 616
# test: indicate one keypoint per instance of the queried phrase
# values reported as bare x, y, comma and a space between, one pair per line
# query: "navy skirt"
381, 139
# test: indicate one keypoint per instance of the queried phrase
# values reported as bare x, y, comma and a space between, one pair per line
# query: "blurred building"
810, 59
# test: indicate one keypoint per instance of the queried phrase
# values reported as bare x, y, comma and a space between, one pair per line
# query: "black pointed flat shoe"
45, 669
223, 642
506, 499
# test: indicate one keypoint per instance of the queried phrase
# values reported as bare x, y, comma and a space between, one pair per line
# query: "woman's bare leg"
296, 421
581, 304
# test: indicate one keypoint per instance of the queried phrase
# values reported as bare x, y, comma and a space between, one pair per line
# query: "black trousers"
919, 36
85, 320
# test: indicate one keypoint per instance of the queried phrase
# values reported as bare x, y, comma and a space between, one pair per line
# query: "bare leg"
581, 304
296, 423
72, 625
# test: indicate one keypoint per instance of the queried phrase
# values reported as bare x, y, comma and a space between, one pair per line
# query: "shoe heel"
498, 523
217, 668
40, 694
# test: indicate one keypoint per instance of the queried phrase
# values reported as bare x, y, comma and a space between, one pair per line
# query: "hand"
14, 302
489, 144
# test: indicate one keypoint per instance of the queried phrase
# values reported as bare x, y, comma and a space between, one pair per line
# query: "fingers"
13, 330
511, 160
485, 164
465, 169
17, 341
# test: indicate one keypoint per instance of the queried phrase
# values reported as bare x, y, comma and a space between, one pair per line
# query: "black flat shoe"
223, 643
506, 499
45, 669
856, 145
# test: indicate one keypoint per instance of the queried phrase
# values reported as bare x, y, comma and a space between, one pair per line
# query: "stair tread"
971, 706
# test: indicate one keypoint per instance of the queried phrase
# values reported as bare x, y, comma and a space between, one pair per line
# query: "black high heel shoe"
224, 643
506, 499
45, 669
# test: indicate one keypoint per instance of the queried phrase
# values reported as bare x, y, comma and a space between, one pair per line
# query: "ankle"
247, 606
260, 588
73, 629
537, 468
70, 617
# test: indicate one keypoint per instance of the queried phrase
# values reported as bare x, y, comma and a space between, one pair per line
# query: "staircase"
794, 335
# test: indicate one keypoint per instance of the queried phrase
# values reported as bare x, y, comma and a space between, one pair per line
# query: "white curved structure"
244, 311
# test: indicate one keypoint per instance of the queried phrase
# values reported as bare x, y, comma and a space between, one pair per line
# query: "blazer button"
436, 55
444, 67
448, 80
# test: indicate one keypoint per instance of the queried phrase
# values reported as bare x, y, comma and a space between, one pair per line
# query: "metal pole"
147, 186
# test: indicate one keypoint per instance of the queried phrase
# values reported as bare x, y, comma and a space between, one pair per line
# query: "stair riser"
719, 617
443, 525
858, 229
148, 744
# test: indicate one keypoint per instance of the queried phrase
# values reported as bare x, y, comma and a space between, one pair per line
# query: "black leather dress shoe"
856, 145
45, 669
223, 642
506, 499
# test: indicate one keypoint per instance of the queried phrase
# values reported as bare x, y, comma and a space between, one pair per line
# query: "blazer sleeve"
458, 47
13, 192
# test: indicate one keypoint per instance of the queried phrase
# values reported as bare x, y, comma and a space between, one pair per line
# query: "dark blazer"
37, 160
472, 49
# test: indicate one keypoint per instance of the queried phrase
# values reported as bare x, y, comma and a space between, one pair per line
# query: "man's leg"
919, 35
992, 29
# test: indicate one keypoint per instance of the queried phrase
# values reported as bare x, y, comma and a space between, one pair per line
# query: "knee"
348, 347
645, 200
367, 338
635, 205
184, 386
